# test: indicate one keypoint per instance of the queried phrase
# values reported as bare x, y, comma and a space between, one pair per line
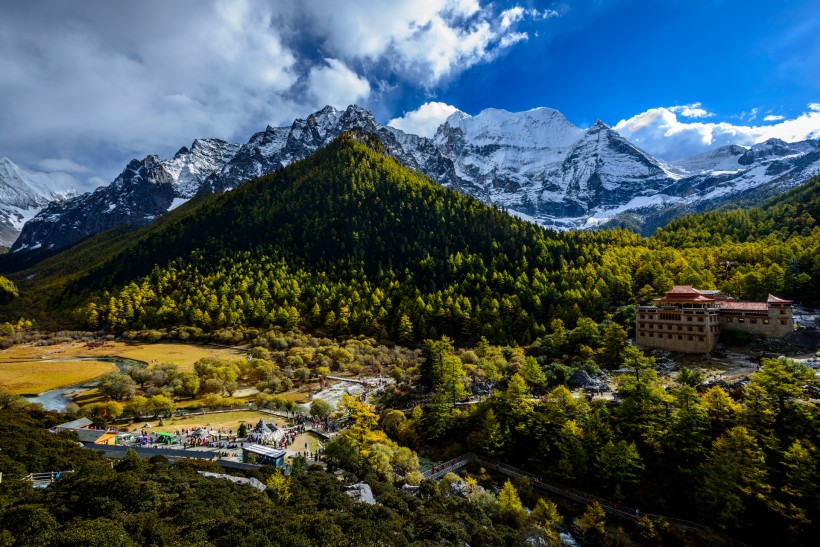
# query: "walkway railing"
45, 478
438, 471
574, 494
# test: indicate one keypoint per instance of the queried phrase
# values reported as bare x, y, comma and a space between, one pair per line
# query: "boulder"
464, 489
807, 338
580, 378
360, 492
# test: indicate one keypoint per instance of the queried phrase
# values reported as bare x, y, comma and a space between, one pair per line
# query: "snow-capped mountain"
147, 188
277, 147
727, 174
22, 196
144, 190
536, 164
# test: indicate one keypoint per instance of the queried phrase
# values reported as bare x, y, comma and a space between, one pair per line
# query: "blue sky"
626, 57
86, 86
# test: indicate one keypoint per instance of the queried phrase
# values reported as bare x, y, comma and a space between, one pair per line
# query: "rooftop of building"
75, 424
687, 294
265, 451
745, 306
91, 435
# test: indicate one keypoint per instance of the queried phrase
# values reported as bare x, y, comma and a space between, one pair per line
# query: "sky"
87, 86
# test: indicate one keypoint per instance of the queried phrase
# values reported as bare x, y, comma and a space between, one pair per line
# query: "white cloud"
513, 38
694, 110
425, 120
773, 118
465, 8
661, 133
102, 84
424, 41
516, 14
62, 164
335, 84
510, 16
749, 116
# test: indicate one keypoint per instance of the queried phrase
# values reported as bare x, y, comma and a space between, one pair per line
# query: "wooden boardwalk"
573, 494
41, 480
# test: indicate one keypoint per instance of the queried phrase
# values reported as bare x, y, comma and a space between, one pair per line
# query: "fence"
439, 471
573, 494
44, 479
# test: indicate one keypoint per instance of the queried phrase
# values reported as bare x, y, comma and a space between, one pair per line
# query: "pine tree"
405, 330
734, 474
510, 506
593, 521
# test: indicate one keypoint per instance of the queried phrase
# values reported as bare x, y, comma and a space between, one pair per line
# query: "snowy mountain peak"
25, 189
542, 128
723, 159
536, 164
22, 195
770, 149
356, 117
455, 118
324, 117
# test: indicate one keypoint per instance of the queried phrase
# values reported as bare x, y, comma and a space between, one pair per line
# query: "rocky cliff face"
536, 164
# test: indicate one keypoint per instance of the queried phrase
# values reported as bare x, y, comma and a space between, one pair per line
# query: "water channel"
60, 398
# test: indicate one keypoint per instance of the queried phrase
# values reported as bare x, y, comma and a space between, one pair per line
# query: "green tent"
165, 438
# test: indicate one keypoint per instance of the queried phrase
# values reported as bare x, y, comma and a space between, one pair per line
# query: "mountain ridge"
536, 164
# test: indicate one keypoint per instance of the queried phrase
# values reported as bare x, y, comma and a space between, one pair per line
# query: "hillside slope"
347, 240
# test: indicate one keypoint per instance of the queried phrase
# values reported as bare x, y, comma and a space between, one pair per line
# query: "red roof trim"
682, 289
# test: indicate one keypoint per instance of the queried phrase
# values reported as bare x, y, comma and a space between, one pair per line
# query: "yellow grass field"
228, 420
184, 355
94, 396
22, 370
32, 377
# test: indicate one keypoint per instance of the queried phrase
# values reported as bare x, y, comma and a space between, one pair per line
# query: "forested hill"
350, 242
347, 208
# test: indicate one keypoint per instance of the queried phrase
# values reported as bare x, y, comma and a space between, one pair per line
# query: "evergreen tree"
733, 476
510, 506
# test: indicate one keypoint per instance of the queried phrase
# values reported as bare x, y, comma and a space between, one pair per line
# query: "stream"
60, 398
